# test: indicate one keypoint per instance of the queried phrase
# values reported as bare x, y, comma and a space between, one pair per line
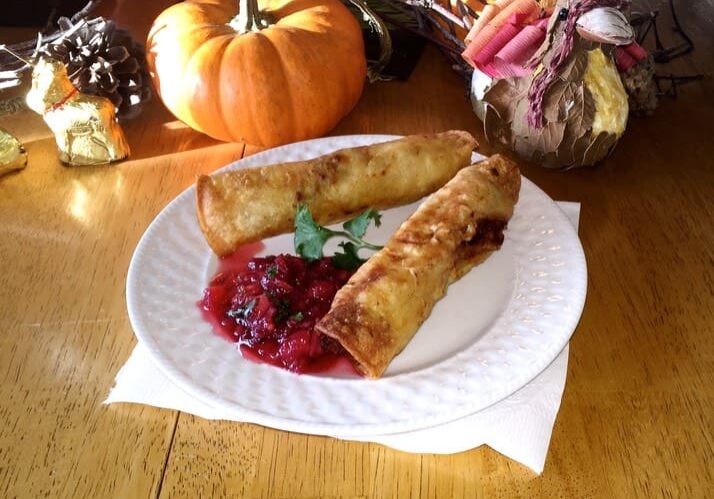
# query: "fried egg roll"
381, 307
250, 204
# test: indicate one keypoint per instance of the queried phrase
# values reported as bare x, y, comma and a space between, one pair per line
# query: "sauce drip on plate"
270, 305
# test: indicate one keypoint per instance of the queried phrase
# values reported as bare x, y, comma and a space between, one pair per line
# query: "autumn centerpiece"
548, 87
266, 73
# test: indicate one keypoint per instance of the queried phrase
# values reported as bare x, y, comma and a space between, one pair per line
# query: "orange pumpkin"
287, 72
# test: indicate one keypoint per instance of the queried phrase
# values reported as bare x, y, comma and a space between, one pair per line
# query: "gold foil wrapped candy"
12, 154
85, 126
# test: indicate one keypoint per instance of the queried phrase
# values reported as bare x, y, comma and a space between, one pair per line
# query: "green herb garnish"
282, 310
297, 317
310, 237
358, 226
348, 259
271, 271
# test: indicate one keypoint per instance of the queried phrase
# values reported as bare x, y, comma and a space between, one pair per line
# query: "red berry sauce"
270, 306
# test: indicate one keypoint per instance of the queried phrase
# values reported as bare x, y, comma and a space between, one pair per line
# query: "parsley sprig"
310, 237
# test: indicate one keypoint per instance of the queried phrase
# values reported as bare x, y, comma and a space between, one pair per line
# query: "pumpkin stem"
249, 18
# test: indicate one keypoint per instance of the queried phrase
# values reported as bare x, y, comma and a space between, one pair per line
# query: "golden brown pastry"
250, 204
380, 308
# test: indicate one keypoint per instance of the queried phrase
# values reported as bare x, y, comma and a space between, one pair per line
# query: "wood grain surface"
638, 408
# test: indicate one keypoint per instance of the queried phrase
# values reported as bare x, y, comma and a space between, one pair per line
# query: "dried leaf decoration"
566, 138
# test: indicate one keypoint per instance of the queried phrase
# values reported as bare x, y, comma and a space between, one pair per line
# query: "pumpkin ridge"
184, 111
317, 17
294, 112
284, 9
314, 89
223, 41
286, 131
218, 82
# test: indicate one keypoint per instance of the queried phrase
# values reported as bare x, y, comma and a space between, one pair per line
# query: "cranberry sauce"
270, 306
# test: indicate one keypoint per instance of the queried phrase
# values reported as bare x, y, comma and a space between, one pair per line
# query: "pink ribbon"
510, 47
504, 35
628, 55
511, 59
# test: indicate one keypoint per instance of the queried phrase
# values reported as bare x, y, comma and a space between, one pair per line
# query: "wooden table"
638, 408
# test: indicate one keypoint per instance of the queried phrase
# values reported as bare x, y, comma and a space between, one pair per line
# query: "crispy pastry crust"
250, 204
378, 311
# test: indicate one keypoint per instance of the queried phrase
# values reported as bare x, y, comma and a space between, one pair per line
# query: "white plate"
495, 330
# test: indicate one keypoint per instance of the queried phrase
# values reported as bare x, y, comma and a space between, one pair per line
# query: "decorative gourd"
551, 90
287, 72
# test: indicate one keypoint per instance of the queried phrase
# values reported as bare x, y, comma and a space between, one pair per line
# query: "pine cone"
102, 59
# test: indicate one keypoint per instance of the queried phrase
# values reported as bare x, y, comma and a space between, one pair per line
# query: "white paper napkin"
519, 426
